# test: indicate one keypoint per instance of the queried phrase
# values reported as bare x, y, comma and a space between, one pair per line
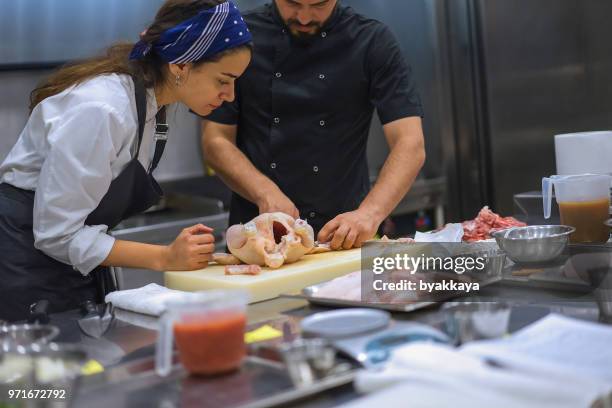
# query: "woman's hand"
192, 249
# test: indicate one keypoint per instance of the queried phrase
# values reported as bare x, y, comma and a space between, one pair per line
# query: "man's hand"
276, 201
350, 230
406, 157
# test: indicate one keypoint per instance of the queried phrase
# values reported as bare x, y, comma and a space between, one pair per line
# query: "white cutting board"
309, 270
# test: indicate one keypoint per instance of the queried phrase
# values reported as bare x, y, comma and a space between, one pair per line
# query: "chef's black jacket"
303, 110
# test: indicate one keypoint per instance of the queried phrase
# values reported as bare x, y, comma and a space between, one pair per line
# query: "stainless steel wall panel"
538, 68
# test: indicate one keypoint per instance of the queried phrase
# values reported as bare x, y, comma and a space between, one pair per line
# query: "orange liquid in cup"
211, 346
588, 218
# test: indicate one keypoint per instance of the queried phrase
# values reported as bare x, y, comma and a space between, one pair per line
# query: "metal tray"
493, 274
350, 303
260, 383
307, 294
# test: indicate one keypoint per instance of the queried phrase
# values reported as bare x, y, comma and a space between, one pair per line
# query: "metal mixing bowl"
533, 244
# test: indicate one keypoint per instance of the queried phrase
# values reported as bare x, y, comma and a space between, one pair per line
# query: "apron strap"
141, 108
161, 136
161, 127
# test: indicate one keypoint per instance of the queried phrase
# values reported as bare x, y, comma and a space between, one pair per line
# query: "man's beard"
301, 37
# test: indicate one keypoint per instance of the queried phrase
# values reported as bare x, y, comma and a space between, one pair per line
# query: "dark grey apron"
27, 275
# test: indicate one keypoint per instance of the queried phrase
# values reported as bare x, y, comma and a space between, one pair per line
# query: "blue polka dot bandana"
208, 33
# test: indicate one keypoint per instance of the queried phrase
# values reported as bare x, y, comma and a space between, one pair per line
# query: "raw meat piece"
320, 248
406, 240
270, 239
347, 287
242, 270
226, 259
485, 223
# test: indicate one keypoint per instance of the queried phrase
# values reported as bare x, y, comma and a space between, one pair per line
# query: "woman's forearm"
128, 254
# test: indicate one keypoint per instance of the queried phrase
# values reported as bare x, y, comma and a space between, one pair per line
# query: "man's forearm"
236, 170
401, 168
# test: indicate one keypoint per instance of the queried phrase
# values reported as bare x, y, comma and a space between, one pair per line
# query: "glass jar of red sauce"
208, 328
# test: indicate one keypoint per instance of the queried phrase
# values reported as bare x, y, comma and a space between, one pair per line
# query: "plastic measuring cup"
584, 203
208, 328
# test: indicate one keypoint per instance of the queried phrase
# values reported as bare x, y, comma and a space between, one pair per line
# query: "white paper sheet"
555, 362
556, 345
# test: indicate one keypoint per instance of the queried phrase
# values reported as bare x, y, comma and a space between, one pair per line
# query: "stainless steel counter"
131, 381
127, 350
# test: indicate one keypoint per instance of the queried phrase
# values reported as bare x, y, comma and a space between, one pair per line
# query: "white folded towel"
150, 299
137, 319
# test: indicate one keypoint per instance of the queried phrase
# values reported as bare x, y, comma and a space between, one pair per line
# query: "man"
294, 140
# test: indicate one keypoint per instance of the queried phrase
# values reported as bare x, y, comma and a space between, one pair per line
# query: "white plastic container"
584, 203
586, 152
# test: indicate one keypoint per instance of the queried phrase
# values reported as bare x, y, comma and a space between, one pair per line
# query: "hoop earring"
178, 80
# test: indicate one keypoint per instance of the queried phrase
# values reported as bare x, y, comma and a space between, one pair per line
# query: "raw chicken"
270, 239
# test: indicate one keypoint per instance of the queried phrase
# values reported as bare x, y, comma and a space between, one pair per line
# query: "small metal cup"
469, 321
308, 359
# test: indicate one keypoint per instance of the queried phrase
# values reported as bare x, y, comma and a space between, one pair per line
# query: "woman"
83, 162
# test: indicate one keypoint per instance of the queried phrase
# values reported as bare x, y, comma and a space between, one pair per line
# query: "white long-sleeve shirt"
73, 145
